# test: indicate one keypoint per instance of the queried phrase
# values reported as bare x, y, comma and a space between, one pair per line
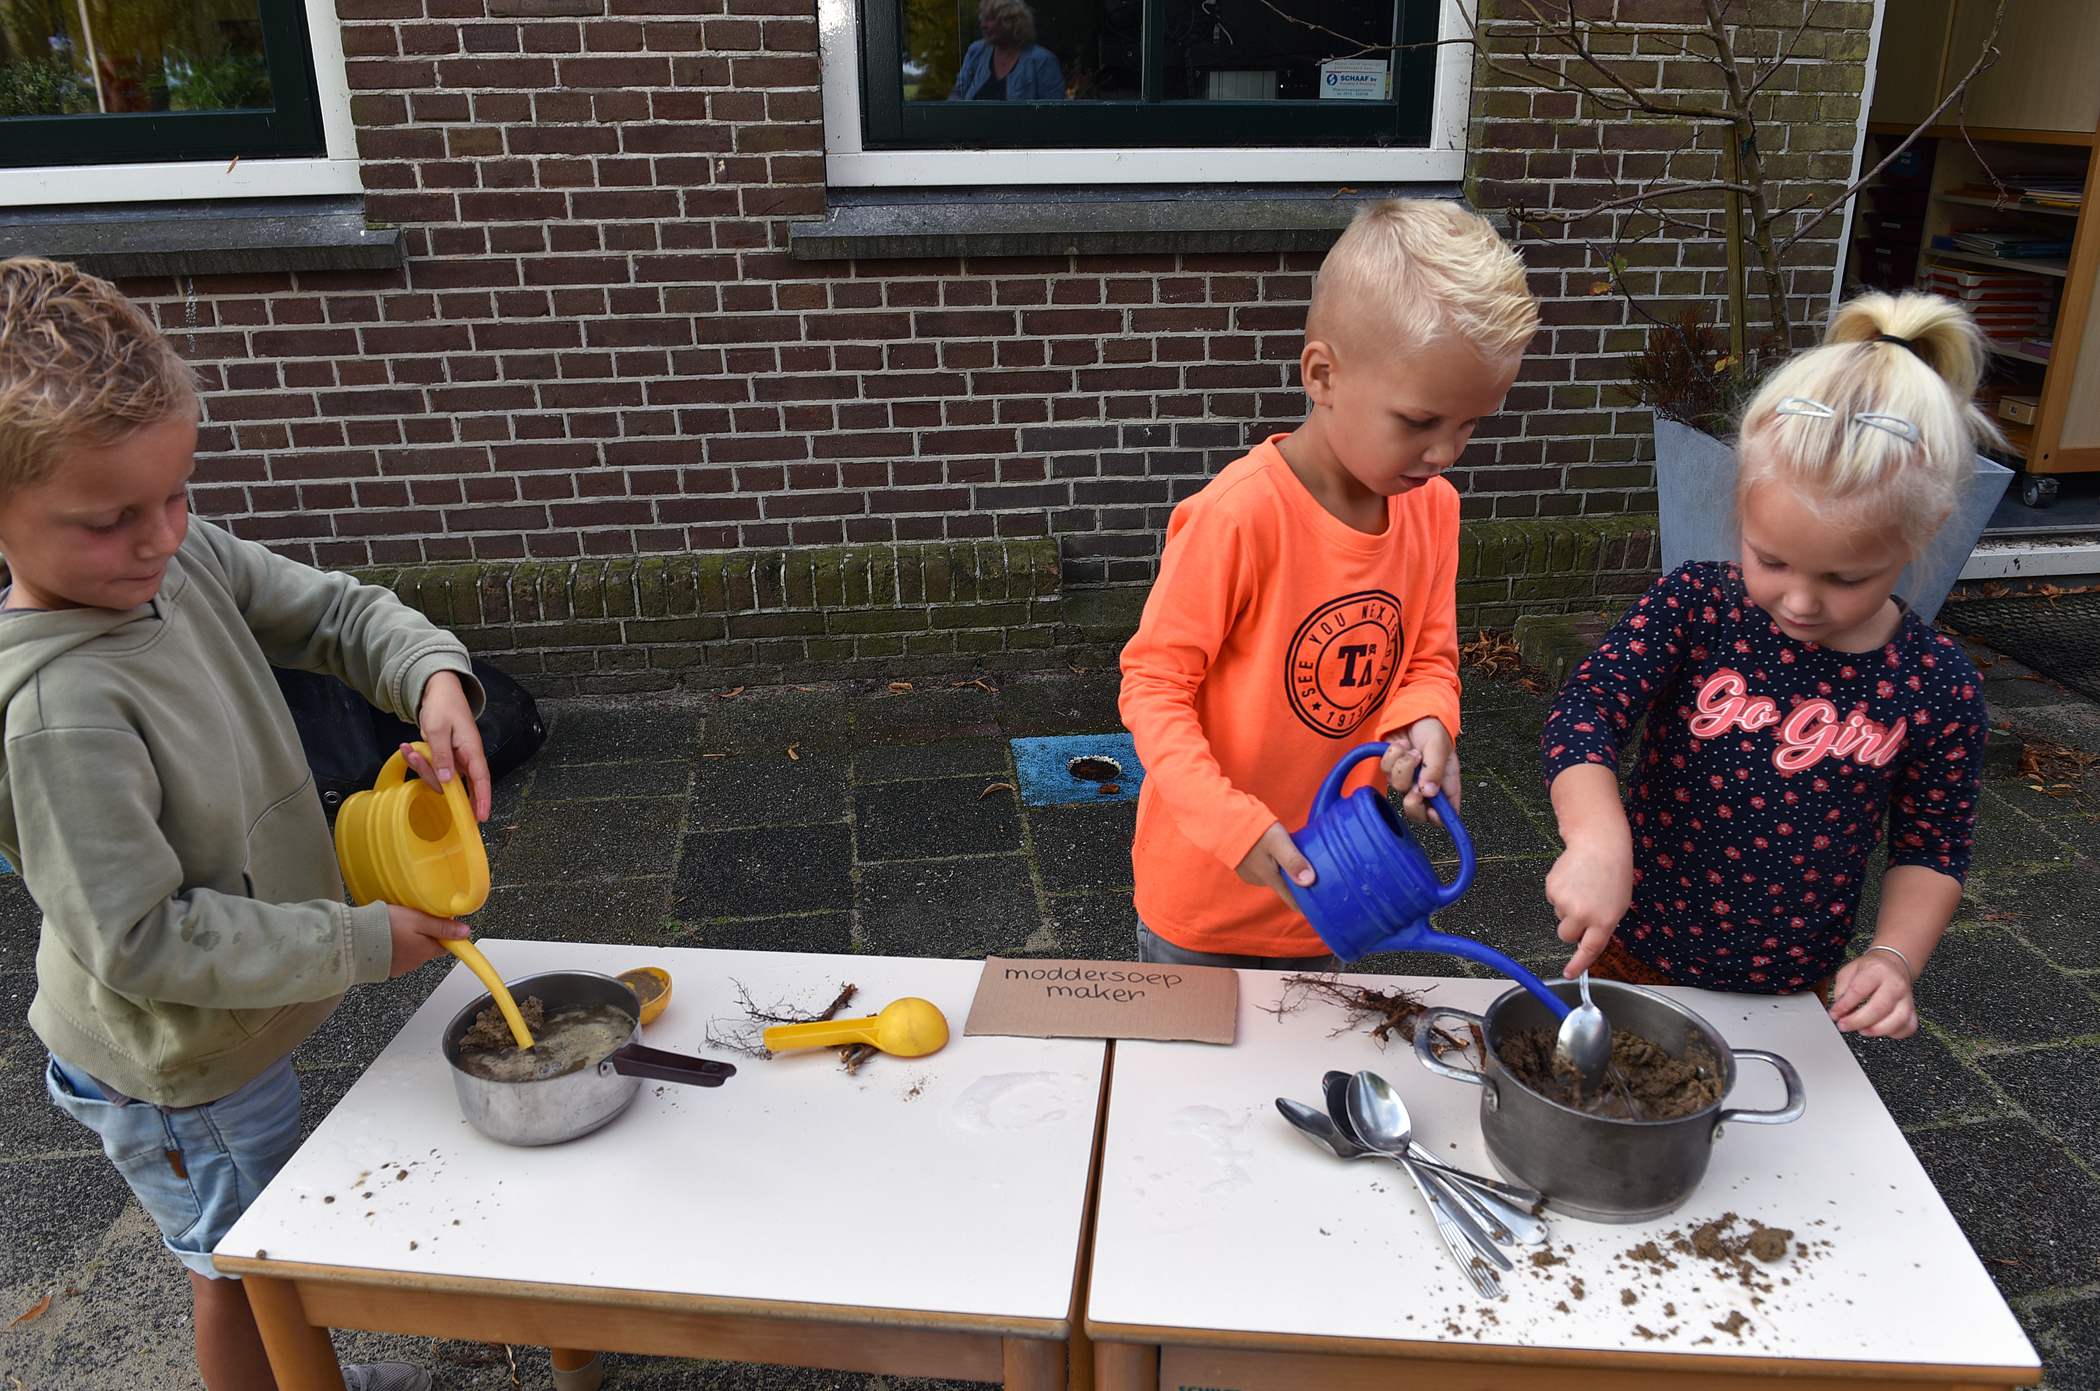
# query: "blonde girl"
1795, 706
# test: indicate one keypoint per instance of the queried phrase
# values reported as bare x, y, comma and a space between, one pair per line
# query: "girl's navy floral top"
1763, 775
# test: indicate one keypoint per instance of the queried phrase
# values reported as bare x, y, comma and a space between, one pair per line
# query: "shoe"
386, 1376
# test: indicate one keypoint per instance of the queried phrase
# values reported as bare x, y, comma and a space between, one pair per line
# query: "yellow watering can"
403, 842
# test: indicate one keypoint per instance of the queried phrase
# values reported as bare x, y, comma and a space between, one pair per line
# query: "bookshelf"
2032, 113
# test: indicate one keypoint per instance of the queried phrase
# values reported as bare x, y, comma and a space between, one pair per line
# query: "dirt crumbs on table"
491, 1031
1662, 1087
1735, 1323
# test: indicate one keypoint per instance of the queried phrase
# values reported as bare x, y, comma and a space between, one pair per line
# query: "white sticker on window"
1356, 79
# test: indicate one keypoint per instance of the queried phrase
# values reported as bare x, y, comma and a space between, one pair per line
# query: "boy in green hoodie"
153, 790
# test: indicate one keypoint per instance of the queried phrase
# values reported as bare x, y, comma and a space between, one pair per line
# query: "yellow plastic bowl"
653, 985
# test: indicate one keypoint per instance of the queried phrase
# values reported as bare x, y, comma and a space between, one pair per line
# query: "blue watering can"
1375, 889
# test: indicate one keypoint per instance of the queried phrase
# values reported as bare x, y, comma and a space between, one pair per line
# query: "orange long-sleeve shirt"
1275, 639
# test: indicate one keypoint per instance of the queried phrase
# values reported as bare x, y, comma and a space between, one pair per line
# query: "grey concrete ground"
689, 824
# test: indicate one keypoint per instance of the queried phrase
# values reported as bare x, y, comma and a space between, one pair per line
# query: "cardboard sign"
1032, 998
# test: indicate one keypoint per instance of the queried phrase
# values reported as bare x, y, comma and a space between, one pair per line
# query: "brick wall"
1574, 442
600, 348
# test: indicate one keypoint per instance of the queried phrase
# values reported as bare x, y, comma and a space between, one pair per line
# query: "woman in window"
1007, 64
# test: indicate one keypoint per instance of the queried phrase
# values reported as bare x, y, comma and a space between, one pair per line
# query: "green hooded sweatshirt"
157, 801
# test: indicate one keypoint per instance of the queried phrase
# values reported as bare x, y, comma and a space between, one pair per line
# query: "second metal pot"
1597, 1167
552, 1109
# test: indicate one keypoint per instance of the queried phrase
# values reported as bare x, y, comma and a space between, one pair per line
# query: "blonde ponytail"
1916, 358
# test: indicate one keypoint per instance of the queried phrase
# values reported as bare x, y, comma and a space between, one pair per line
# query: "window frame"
334, 171
851, 163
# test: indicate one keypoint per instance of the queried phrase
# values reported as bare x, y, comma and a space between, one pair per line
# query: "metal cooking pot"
1597, 1167
553, 1109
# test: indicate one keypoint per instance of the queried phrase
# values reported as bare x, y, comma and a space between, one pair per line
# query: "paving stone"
1418, 963
949, 758
761, 873
768, 721
2005, 836
1506, 909
625, 1373
2067, 1335
369, 1017
926, 820
626, 733
766, 789
1500, 825
1983, 985
57, 1205
1060, 705
580, 782
965, 908
1920, 1081
21, 924
2024, 694
1094, 926
2079, 830
2026, 1208
2076, 725
127, 1324
321, 1087
813, 932
606, 840
604, 910
964, 712
2055, 1085
2053, 909
29, 1123
1080, 847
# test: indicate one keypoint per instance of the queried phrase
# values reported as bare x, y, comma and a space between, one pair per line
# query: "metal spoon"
1379, 1119
1481, 1227
1316, 1124
1525, 1202
1584, 1040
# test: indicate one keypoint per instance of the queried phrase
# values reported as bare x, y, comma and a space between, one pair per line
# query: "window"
105, 81
992, 93
144, 101
1148, 72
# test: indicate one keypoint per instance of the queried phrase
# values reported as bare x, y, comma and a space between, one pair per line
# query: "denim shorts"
195, 1169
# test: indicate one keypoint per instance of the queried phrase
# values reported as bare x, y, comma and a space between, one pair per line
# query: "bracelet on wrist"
1908, 969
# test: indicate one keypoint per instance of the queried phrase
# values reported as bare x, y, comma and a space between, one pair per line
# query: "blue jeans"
1157, 950
195, 1169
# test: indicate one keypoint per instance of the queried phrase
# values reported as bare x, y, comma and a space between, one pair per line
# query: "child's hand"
418, 936
447, 723
1423, 761
1273, 859
1872, 995
1590, 886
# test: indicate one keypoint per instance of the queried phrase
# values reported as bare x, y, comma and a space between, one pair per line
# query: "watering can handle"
395, 769
1331, 792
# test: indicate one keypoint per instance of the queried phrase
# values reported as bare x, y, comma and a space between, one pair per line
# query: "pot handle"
1796, 1099
1426, 1056
635, 1060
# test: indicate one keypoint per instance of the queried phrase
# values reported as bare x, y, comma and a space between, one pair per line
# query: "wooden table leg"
301, 1355
1035, 1364
1126, 1367
576, 1369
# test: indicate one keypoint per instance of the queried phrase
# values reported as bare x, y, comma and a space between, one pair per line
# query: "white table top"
1214, 1214
954, 1183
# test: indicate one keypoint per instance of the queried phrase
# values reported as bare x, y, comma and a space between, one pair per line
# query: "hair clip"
1801, 405
1895, 424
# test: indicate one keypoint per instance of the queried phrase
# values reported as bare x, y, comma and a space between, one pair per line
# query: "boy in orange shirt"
1307, 597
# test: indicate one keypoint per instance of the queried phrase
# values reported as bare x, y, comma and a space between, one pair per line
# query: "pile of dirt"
490, 1031
1649, 1083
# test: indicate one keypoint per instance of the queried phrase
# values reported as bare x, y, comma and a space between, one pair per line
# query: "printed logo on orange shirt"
1341, 662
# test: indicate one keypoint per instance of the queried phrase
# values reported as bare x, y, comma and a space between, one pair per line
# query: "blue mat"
1046, 777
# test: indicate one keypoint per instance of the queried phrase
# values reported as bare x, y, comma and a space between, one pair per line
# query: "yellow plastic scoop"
909, 1028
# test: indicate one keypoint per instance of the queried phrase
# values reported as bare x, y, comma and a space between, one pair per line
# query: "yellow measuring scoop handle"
822, 1034
477, 963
